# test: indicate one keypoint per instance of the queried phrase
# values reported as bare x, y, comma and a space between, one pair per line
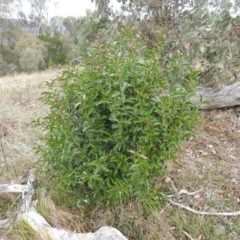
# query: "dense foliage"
114, 123
55, 53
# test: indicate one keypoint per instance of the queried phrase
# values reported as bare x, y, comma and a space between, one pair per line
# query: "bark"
227, 96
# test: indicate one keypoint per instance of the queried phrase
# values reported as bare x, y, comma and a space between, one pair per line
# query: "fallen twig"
205, 213
181, 164
188, 235
183, 191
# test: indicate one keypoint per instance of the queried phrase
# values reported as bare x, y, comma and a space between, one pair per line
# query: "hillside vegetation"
113, 134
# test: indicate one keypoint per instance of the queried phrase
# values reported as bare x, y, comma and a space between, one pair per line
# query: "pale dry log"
17, 188
40, 225
27, 212
226, 96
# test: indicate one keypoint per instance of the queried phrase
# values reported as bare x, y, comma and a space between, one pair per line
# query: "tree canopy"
207, 32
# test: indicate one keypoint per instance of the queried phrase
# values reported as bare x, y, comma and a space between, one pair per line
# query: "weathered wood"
28, 213
226, 96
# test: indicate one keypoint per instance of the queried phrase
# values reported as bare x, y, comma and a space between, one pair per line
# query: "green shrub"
112, 125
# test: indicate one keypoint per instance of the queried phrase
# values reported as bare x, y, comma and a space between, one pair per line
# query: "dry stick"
181, 164
183, 191
205, 213
188, 235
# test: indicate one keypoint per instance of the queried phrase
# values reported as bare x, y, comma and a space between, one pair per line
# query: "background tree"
39, 15
5, 7
32, 60
56, 27
191, 27
55, 52
31, 52
72, 27
19, 32
204, 31
88, 28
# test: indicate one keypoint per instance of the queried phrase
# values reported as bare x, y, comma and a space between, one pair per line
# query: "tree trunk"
227, 96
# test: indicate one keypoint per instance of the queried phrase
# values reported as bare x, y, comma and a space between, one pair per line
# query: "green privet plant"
113, 124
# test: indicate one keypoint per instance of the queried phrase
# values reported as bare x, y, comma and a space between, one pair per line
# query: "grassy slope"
209, 161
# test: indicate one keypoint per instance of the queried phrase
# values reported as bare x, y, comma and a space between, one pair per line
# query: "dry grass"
209, 161
24, 80
23, 231
19, 106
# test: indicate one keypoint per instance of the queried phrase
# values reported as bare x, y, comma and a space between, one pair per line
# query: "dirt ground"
210, 162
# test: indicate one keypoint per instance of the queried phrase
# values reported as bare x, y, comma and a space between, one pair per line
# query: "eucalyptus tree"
207, 32
39, 14
5, 7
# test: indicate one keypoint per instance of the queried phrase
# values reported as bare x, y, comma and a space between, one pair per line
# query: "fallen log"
28, 213
226, 96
